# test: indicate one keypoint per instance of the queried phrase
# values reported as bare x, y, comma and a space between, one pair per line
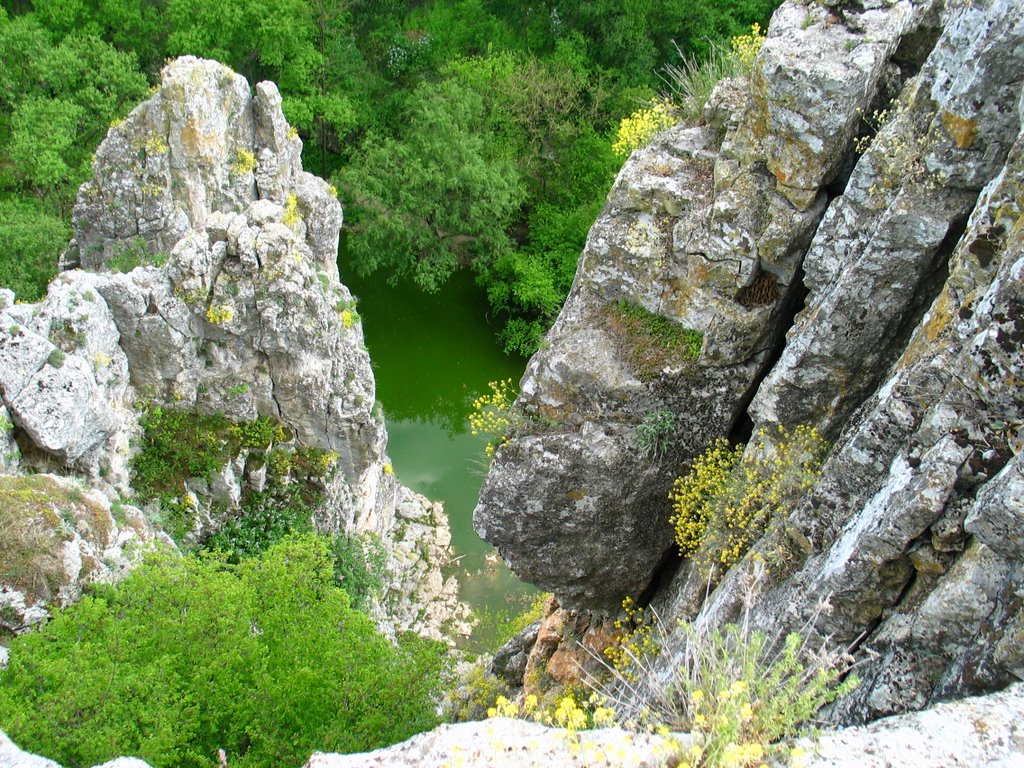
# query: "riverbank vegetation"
459, 133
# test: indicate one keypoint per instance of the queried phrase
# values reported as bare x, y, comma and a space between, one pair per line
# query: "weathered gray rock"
509, 662
997, 517
908, 354
706, 233
985, 730
880, 254
64, 379
910, 536
12, 757
417, 596
507, 743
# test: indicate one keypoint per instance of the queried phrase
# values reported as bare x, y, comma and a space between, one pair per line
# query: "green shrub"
135, 254
178, 445
265, 659
33, 239
359, 560
264, 519
56, 358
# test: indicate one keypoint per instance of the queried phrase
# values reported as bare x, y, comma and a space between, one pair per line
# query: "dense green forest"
460, 133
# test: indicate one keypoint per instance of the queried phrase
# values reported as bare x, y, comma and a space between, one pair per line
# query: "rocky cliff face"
855, 273
203, 278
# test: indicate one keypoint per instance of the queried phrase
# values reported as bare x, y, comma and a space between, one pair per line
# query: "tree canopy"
265, 659
461, 133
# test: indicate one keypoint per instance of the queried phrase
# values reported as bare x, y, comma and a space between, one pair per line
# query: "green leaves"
435, 197
266, 660
33, 240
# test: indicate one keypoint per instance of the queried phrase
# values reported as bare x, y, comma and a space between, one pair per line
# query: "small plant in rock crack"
654, 435
741, 696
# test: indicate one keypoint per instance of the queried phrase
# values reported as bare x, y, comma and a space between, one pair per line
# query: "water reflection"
432, 355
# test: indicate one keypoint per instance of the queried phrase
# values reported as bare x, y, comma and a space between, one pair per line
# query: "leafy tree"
266, 660
44, 162
31, 242
74, 89
435, 197
138, 26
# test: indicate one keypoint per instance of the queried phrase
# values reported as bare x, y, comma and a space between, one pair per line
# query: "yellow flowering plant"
220, 314
730, 495
492, 415
746, 47
244, 162
292, 216
635, 639
639, 128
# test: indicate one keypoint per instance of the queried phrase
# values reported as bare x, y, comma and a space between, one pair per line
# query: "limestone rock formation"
203, 278
901, 255
707, 234
984, 730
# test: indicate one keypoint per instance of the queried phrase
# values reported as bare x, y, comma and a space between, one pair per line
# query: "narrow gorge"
835, 249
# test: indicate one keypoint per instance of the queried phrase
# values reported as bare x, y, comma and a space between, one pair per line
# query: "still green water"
432, 355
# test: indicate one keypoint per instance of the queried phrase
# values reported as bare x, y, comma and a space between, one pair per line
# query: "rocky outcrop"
902, 250
59, 535
203, 278
706, 233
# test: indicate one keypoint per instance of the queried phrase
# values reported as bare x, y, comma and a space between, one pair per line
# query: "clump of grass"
134, 254
30, 545
741, 697
649, 341
654, 435
691, 81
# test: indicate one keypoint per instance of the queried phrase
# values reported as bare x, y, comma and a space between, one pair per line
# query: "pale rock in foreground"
973, 732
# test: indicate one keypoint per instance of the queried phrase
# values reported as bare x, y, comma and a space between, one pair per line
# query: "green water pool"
432, 355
